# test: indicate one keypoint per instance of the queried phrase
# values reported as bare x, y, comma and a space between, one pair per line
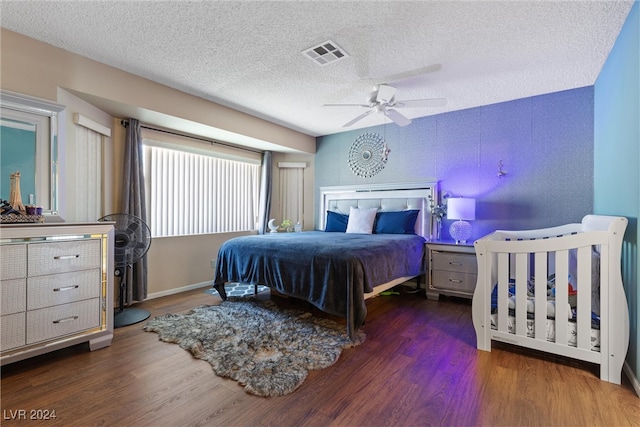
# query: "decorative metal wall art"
368, 155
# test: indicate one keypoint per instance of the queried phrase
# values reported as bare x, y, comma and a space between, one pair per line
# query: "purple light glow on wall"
545, 144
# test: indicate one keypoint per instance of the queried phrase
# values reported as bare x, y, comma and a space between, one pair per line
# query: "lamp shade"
460, 208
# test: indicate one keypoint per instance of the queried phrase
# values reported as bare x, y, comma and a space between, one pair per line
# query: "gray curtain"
133, 203
266, 179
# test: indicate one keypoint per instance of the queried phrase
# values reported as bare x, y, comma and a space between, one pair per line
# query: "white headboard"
385, 197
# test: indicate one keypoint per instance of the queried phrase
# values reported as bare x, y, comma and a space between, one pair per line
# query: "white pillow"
361, 220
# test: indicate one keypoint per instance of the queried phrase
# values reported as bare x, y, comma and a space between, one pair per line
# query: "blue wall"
617, 156
17, 154
545, 143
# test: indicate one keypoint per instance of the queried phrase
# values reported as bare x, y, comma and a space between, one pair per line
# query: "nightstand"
452, 270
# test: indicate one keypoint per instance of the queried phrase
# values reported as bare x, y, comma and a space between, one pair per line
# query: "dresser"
56, 284
453, 269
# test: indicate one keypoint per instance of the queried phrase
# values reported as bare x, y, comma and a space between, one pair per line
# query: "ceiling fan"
383, 100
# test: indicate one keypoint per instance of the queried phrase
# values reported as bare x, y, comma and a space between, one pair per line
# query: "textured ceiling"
247, 55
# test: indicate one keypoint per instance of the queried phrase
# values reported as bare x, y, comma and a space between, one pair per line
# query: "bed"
557, 290
335, 270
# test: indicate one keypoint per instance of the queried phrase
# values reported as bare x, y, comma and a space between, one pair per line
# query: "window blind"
88, 183
190, 193
292, 192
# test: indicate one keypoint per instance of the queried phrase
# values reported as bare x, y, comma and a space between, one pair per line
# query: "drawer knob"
66, 288
454, 263
67, 256
455, 280
66, 319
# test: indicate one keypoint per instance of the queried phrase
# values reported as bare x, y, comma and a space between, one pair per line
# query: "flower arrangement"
287, 225
438, 211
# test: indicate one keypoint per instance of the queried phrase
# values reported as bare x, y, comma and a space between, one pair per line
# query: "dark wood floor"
418, 367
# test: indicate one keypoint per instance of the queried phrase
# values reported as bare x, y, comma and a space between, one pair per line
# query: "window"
88, 174
199, 188
292, 191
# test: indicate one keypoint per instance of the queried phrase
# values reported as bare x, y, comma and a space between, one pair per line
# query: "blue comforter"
332, 271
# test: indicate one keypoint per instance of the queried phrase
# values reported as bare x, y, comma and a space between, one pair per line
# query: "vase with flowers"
438, 212
287, 225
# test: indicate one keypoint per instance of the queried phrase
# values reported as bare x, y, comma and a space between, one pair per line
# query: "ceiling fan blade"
385, 93
420, 103
398, 118
347, 105
411, 74
360, 117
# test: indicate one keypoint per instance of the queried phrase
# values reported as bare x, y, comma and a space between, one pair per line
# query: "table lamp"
461, 210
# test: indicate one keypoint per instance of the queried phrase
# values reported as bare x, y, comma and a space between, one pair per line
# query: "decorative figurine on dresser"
56, 286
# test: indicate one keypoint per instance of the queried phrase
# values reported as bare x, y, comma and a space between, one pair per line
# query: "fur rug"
267, 349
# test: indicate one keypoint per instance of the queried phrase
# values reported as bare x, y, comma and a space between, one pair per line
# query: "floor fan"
132, 238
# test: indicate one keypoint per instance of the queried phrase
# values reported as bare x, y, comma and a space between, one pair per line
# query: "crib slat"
503, 291
611, 339
562, 297
541, 259
584, 297
521, 294
481, 306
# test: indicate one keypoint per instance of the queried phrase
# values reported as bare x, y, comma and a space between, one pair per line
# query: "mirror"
29, 144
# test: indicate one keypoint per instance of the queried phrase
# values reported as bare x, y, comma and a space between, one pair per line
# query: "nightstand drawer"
463, 263
453, 269
454, 281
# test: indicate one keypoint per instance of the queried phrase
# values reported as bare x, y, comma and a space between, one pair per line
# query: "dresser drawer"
62, 288
59, 257
14, 261
61, 320
13, 331
14, 296
449, 261
454, 281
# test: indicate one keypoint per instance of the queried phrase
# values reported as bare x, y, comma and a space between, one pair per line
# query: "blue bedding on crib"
332, 271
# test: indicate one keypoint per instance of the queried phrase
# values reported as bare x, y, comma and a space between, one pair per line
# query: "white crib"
526, 310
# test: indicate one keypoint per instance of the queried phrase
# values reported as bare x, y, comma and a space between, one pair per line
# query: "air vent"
325, 53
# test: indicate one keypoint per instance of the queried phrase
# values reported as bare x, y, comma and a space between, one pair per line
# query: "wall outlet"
213, 263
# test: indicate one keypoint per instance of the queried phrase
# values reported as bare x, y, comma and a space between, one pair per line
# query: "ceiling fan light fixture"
325, 53
383, 100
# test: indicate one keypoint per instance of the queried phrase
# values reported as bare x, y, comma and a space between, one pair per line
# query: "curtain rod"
125, 123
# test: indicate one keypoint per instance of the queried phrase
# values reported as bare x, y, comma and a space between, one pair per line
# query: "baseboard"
178, 290
635, 383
